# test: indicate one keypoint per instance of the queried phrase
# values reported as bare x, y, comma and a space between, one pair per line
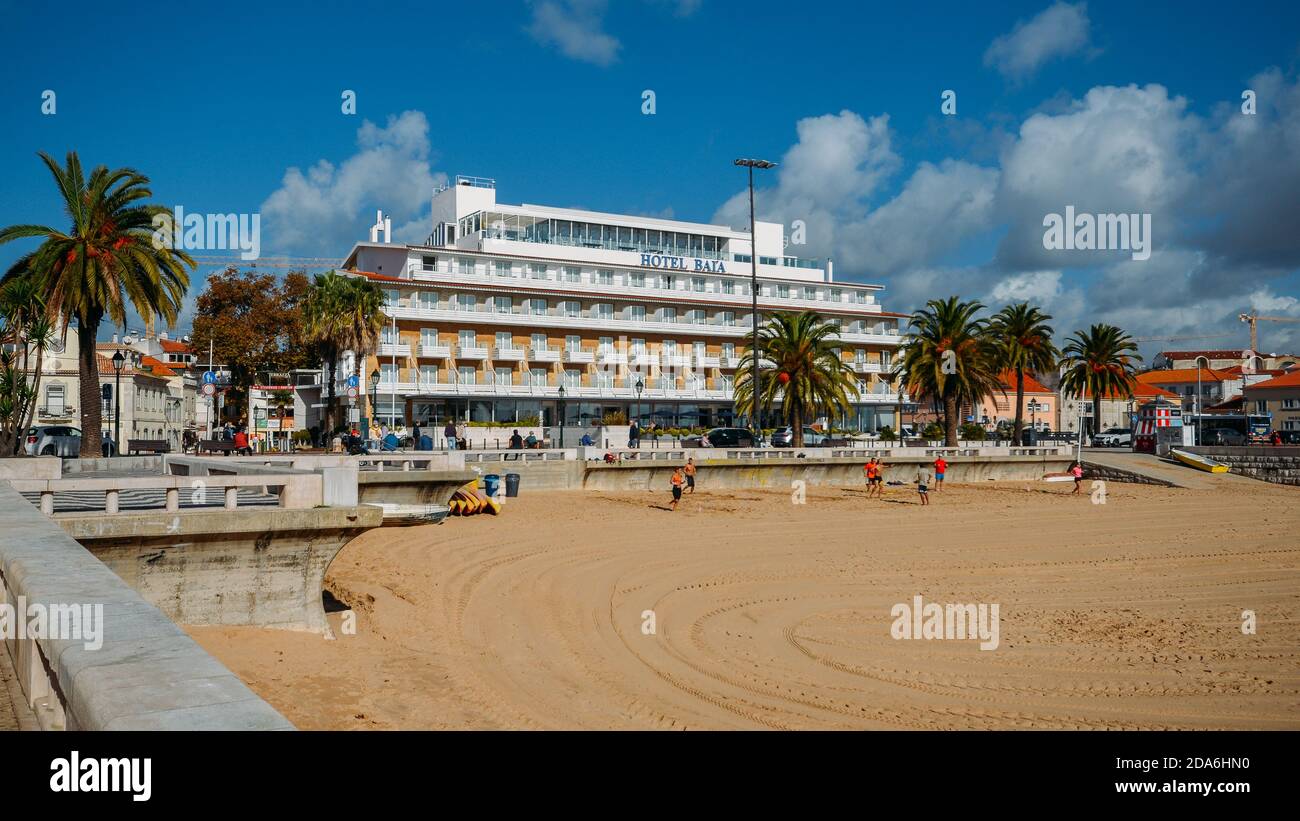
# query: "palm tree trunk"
329, 403
88, 372
950, 414
1020, 407
798, 427
36, 397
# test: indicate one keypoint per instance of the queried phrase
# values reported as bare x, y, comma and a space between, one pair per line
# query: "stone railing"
141, 671
294, 492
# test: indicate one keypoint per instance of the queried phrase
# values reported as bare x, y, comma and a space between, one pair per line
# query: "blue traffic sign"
354, 381
209, 378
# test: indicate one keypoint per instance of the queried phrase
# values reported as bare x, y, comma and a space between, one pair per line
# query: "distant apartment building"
1279, 396
1227, 359
1038, 407
513, 311
1116, 411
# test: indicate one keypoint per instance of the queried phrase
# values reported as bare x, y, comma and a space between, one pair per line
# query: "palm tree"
800, 368
1099, 363
105, 263
947, 355
1023, 343
25, 329
342, 313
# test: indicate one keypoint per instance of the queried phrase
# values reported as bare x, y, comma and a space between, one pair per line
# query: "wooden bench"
226, 446
134, 446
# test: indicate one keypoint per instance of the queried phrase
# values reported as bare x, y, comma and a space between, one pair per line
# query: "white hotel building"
506, 304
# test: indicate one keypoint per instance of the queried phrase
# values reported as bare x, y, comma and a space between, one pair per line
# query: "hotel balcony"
867, 367
612, 357
539, 354
644, 358
731, 361
471, 352
578, 355
511, 354
708, 361
389, 349
435, 351
674, 360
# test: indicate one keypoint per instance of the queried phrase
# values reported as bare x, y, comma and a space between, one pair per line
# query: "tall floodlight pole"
753, 277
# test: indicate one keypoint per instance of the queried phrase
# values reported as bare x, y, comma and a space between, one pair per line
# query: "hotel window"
505, 341
860, 356
669, 347
572, 274
728, 287
504, 376
573, 343
697, 284
809, 294
695, 381
667, 314
386, 335
699, 349
729, 350
604, 277
468, 339
464, 265
535, 377
1287, 404
783, 291
602, 311
466, 302
571, 309
696, 316
428, 300
606, 345
637, 279
428, 337
429, 263
636, 313
501, 304
537, 307
727, 382
572, 379
667, 282
537, 270
728, 318
391, 299
387, 374
604, 379
538, 342
885, 359
502, 269
638, 347
1261, 406
837, 295
465, 374
428, 374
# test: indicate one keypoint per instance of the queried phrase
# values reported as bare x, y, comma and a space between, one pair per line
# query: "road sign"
352, 393
209, 388
209, 378
354, 381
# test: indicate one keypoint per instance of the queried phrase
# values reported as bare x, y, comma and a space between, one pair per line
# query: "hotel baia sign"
711, 266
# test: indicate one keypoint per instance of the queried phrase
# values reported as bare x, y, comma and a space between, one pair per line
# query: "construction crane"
1252, 318
1177, 338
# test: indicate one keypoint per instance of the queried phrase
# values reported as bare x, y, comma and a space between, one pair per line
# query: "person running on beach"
940, 467
923, 485
689, 470
872, 472
679, 479
1076, 470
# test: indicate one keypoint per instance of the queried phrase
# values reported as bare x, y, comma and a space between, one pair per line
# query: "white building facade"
508, 312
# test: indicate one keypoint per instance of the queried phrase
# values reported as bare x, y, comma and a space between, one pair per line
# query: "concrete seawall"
249, 567
415, 487
1279, 465
147, 675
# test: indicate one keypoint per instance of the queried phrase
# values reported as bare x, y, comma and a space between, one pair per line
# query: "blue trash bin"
490, 484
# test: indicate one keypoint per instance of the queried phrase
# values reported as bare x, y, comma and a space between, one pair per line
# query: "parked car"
1113, 438
721, 438
61, 440
812, 438
1290, 437
1223, 436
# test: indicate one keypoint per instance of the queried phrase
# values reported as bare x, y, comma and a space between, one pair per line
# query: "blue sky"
1108, 106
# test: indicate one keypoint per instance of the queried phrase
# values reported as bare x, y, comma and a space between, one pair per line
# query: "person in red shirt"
241, 443
940, 467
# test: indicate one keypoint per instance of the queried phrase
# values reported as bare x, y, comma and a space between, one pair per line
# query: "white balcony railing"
674, 360
435, 351
389, 349
708, 361
577, 355
471, 352
510, 354
540, 354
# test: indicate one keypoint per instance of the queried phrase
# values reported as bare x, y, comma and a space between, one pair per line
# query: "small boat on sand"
399, 514
1199, 462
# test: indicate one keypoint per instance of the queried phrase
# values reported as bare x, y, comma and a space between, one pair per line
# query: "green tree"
800, 368
342, 313
108, 261
1022, 342
947, 355
1100, 362
25, 332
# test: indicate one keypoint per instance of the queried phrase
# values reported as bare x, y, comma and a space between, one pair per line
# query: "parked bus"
1257, 428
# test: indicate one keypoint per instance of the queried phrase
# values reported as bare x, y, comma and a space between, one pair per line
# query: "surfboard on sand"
1057, 477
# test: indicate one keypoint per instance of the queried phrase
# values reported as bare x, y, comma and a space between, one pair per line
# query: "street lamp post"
636, 414
753, 275
118, 362
374, 398
1033, 418
561, 417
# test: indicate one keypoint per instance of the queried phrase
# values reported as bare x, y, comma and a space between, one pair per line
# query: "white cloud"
1059, 30
575, 27
327, 208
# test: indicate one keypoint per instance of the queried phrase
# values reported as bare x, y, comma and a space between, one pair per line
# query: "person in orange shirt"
679, 479
940, 467
689, 470
875, 478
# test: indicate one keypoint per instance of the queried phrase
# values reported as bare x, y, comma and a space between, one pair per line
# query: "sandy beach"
769, 614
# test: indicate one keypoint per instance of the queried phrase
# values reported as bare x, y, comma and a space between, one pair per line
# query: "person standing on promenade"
679, 479
449, 433
689, 470
940, 467
462, 440
633, 435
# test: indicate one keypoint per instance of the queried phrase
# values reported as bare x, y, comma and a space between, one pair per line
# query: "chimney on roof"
162, 334
383, 225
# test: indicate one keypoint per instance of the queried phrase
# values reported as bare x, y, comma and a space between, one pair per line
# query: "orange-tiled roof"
1141, 390
1032, 385
175, 346
1290, 380
157, 366
1231, 353
1178, 376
